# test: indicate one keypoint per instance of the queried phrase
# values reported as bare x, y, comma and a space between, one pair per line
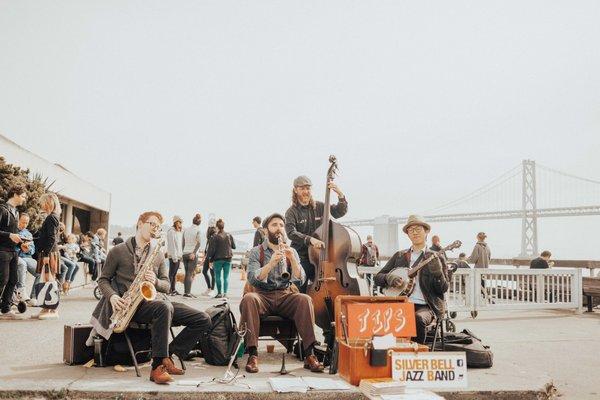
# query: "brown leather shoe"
311, 362
160, 375
171, 368
252, 364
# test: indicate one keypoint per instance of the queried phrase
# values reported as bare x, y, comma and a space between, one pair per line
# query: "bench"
591, 289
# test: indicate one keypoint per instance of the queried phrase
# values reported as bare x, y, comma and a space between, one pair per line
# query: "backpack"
371, 256
116, 350
478, 355
218, 344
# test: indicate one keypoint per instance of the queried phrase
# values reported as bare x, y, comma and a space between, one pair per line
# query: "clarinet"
283, 262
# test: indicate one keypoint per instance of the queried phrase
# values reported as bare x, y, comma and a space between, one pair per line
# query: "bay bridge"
528, 191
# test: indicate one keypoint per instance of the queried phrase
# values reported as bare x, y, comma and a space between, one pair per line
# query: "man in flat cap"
304, 217
431, 281
274, 273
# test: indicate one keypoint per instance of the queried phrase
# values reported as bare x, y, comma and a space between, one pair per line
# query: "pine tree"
11, 175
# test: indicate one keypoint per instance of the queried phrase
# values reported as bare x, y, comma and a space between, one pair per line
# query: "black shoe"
175, 293
191, 296
218, 296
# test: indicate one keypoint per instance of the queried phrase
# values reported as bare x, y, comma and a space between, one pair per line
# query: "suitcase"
75, 351
356, 358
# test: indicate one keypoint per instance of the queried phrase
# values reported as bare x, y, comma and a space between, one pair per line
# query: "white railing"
508, 289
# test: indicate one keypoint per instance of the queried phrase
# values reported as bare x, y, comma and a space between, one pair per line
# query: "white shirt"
191, 239
174, 244
417, 296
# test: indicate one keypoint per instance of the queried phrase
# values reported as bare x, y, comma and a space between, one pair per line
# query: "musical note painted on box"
377, 319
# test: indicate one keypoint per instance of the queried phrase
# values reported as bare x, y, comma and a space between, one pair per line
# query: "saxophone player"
123, 263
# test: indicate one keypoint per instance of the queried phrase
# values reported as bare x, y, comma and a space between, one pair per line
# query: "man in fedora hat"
431, 281
304, 217
274, 271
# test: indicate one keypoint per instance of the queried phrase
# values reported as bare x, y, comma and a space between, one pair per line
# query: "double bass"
335, 273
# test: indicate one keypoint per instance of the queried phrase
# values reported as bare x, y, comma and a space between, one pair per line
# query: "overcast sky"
215, 106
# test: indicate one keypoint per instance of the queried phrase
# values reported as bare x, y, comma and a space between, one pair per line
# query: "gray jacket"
117, 275
480, 256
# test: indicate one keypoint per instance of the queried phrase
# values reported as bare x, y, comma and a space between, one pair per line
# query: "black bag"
478, 355
116, 350
218, 344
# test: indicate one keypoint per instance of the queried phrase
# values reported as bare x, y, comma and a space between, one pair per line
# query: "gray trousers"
423, 317
163, 314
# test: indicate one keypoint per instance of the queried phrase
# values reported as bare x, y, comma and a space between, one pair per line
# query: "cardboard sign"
430, 370
366, 320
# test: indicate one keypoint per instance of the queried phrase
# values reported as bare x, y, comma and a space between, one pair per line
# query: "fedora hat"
415, 220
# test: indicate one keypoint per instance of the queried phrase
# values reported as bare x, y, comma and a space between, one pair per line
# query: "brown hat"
265, 223
302, 180
481, 235
415, 220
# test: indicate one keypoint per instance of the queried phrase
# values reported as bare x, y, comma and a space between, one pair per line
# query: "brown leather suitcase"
75, 351
355, 358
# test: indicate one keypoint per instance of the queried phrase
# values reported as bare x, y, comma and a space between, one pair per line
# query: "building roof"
66, 183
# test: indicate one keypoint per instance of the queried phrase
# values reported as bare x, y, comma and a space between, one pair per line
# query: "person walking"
220, 254
175, 251
191, 245
46, 243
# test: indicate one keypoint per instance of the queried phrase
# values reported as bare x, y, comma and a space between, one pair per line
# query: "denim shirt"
24, 233
273, 281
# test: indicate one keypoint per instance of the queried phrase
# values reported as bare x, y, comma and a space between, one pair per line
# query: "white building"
85, 206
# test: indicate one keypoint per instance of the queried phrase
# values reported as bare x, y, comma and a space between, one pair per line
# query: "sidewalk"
531, 350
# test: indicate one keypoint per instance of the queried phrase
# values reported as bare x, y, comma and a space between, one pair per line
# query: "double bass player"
304, 216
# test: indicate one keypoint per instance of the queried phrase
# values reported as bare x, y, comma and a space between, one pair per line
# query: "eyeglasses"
415, 229
153, 225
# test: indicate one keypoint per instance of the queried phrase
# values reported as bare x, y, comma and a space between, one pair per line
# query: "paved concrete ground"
531, 350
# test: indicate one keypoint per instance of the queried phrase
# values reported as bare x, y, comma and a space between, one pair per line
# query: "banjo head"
398, 291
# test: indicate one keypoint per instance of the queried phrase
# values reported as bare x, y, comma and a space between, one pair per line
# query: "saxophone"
139, 290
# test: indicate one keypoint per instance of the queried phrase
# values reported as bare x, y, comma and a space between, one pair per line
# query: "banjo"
409, 275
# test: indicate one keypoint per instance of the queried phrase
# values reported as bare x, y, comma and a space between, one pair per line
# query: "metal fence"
507, 289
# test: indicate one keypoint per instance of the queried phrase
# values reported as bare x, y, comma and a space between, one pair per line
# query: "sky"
216, 106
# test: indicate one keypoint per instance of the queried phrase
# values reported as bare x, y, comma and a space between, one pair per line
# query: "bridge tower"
529, 238
385, 235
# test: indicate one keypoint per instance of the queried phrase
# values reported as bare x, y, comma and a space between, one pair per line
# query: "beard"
273, 237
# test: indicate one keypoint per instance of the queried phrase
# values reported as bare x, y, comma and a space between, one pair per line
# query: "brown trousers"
284, 303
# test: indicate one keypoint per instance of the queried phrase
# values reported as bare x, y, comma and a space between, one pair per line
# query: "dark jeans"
210, 279
163, 314
309, 269
173, 267
423, 317
190, 267
8, 278
92, 267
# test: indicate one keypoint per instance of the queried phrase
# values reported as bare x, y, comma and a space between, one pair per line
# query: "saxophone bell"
148, 291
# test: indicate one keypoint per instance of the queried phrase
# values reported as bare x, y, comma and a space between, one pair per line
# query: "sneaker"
191, 296
31, 302
218, 296
9, 315
206, 292
48, 314
211, 293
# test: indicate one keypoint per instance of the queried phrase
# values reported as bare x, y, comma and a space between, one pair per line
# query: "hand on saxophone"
117, 302
150, 276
